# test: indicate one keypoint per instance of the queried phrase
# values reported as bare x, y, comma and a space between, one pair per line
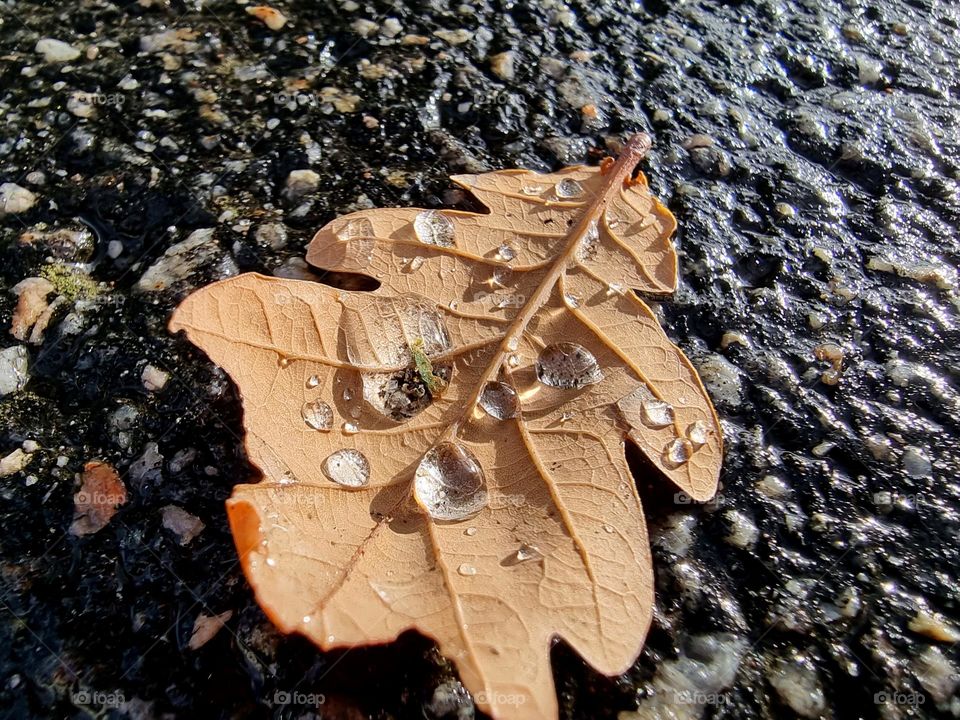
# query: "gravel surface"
810, 152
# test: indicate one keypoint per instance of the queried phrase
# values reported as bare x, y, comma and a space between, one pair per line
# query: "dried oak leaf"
101, 493
446, 453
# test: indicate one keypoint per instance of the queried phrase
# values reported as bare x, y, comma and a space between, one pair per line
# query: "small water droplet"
568, 188
354, 228
615, 289
505, 253
642, 406
524, 553
350, 428
313, 381
466, 569
348, 468
414, 264
347, 394
612, 220
567, 417
307, 618
697, 433
449, 482
571, 300
283, 361
453, 305
317, 414
677, 452
568, 365
499, 400
608, 529
470, 531
355, 412
434, 228
513, 343
513, 361
533, 189
271, 562
587, 246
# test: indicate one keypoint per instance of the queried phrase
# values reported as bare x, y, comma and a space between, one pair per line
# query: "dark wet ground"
810, 153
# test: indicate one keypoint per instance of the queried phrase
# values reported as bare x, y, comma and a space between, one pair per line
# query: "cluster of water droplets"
643, 407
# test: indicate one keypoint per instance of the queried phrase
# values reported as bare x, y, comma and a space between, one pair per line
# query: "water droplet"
399, 333
434, 228
608, 529
698, 433
283, 361
533, 189
677, 452
499, 400
317, 414
513, 343
306, 618
513, 361
587, 247
414, 264
356, 412
568, 365
568, 188
642, 406
567, 417
313, 381
505, 253
354, 228
453, 305
348, 394
466, 569
612, 220
350, 428
571, 300
615, 289
470, 531
271, 562
524, 553
348, 468
449, 482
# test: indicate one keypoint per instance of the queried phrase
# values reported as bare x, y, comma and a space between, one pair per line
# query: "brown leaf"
101, 493
446, 453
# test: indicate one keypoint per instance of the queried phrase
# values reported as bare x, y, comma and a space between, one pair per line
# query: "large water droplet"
348, 468
533, 189
354, 228
506, 253
698, 433
317, 414
568, 188
568, 365
499, 400
465, 569
642, 406
313, 381
677, 453
434, 228
404, 332
449, 482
